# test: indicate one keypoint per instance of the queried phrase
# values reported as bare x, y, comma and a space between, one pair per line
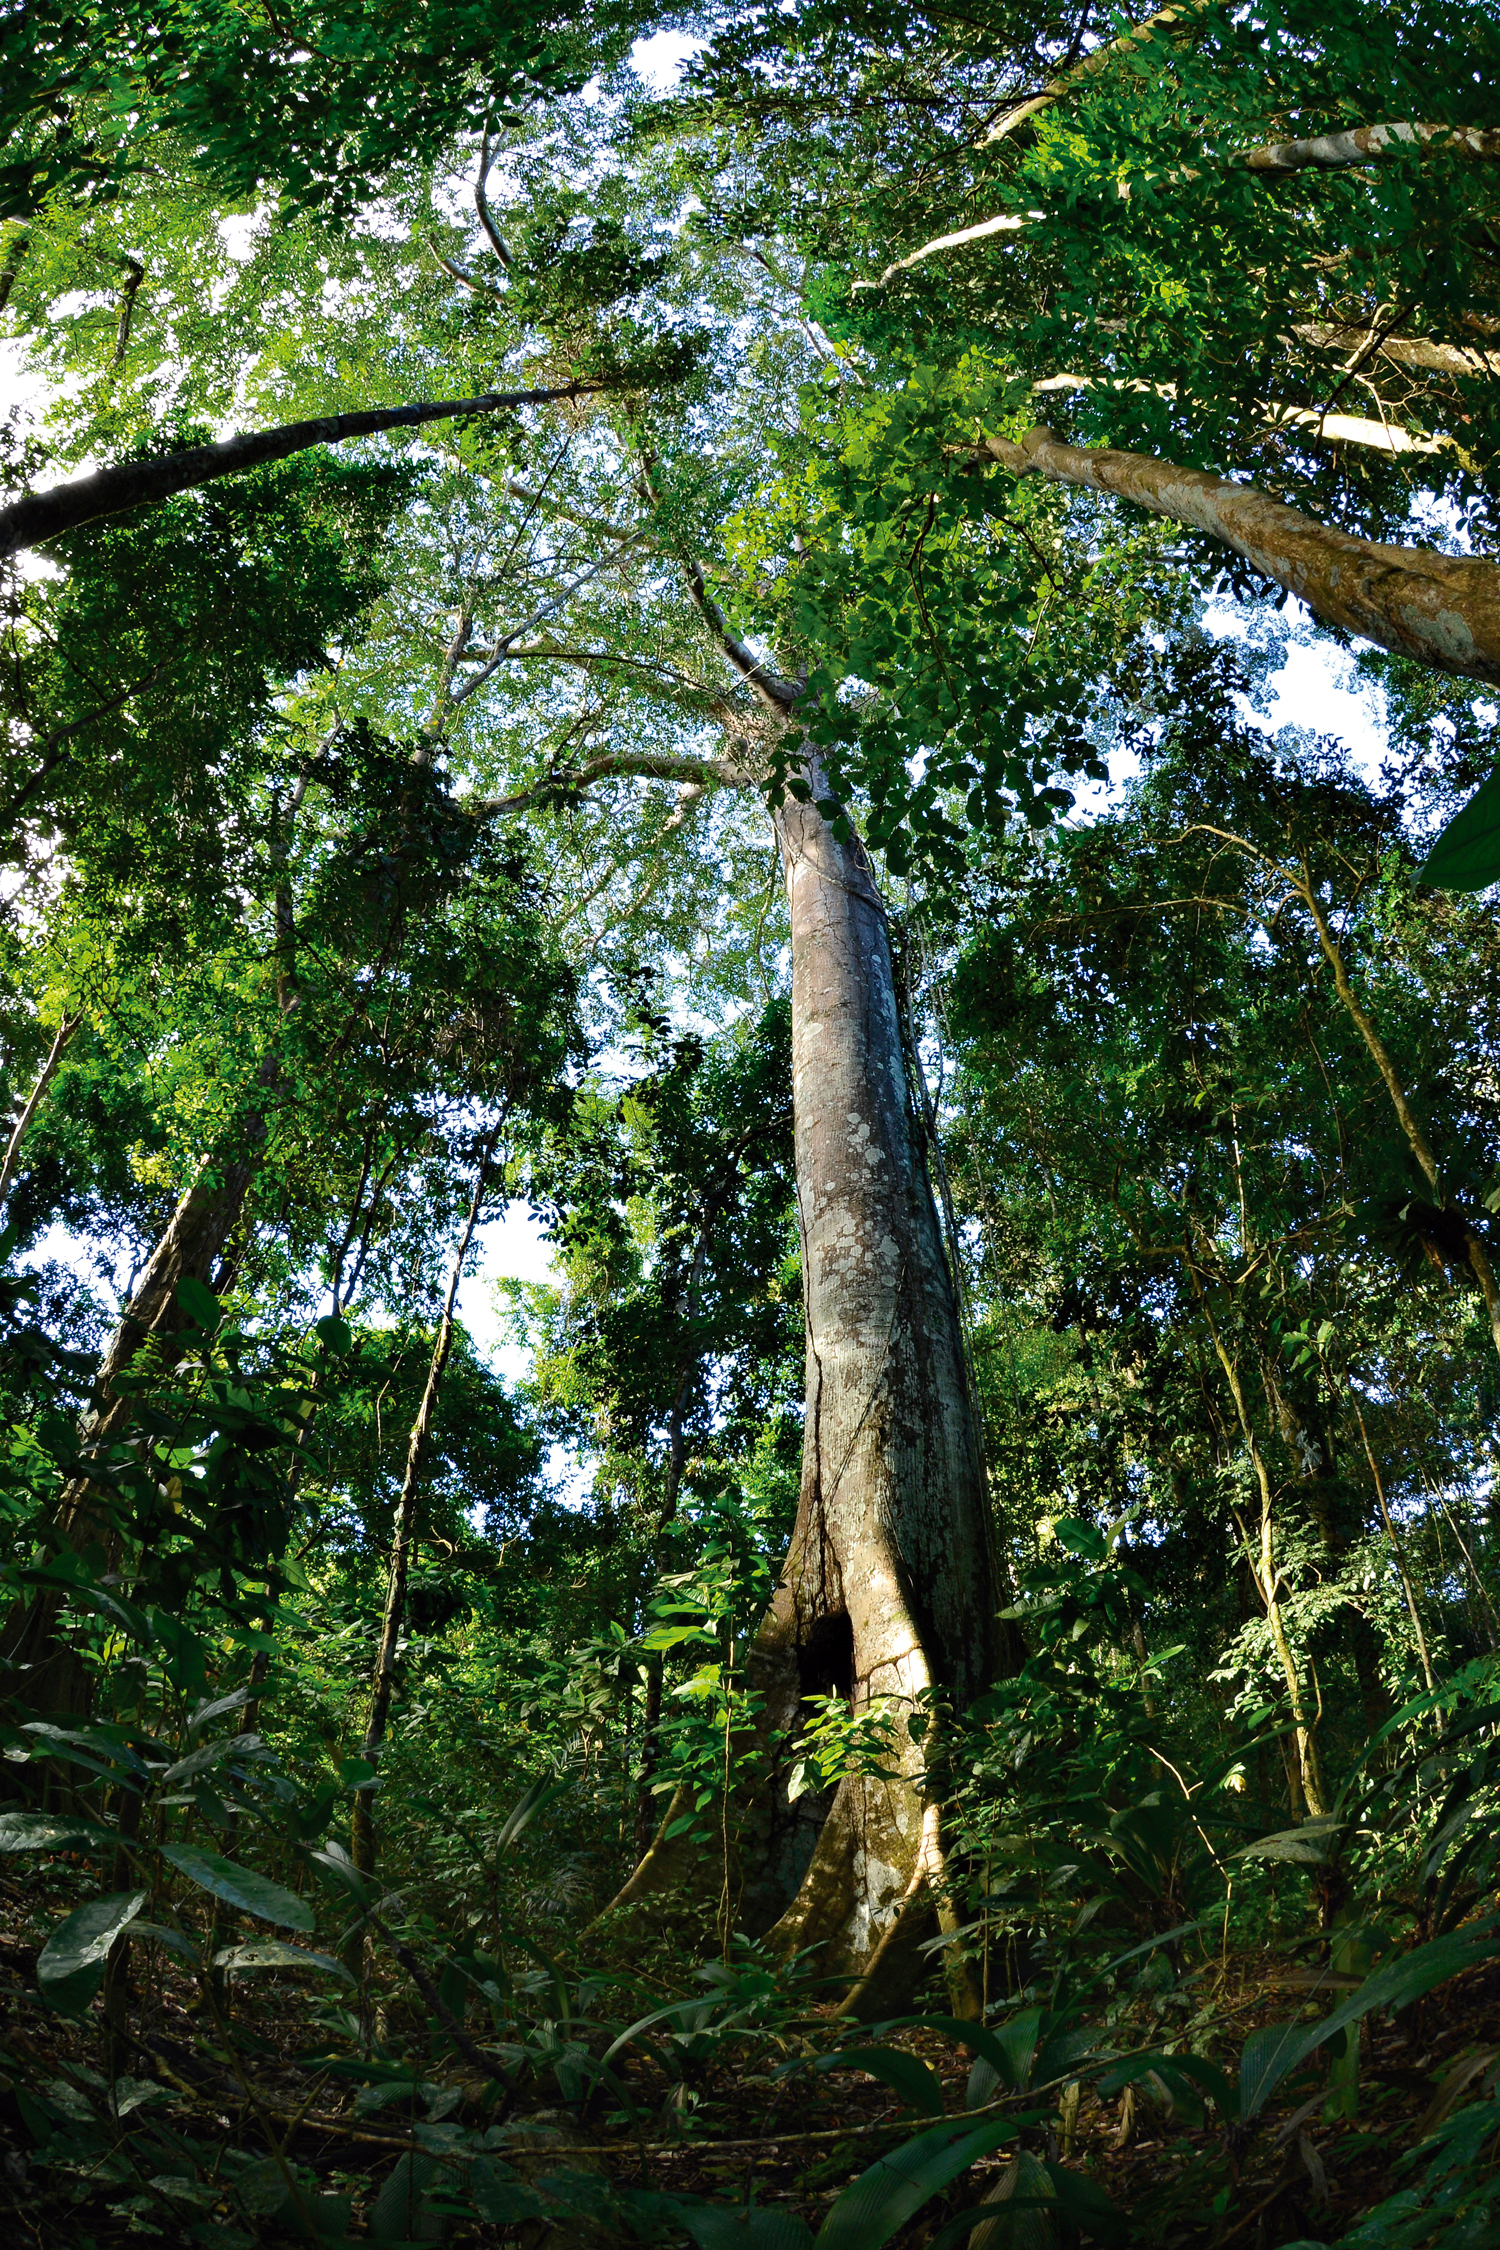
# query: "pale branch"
1441, 610
497, 241
572, 515
813, 330
134, 484
1005, 224
1403, 351
1367, 144
680, 687
1098, 58
462, 273
1339, 429
777, 694
614, 765
492, 658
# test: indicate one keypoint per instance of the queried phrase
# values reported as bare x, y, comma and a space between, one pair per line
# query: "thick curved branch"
135, 484
1404, 351
497, 241
1442, 610
769, 687
1366, 144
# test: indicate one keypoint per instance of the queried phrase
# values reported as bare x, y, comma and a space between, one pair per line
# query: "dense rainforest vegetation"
668, 619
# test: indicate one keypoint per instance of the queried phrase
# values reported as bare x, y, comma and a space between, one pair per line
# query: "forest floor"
269, 2083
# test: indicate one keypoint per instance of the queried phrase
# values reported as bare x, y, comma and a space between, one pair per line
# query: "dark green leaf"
71, 1963
241, 1887
883, 2198
1466, 856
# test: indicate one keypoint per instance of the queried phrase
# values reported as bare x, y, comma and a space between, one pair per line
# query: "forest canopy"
681, 622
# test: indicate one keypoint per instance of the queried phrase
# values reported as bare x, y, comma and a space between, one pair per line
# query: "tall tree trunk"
192, 1245
889, 1587
55, 1682
1265, 1572
888, 1590
645, 1822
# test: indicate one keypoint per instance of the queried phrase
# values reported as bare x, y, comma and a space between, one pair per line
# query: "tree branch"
135, 484
1098, 58
1442, 610
1005, 224
616, 765
1366, 144
65, 1031
482, 205
1403, 351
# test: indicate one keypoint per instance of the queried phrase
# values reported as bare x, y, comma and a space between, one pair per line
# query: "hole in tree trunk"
825, 1658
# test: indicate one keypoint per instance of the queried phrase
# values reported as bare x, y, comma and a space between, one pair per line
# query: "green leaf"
270, 1953
713, 2229
1268, 2055
917, 2083
883, 2198
1466, 856
70, 1966
200, 1304
1395, 1986
48, 1832
241, 1887
1307, 1846
206, 1713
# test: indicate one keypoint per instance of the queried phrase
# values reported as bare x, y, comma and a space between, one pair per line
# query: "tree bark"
1367, 144
55, 1682
1180, 12
1441, 610
888, 1588
137, 484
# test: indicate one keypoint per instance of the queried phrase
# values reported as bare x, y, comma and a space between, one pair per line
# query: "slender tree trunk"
45, 1076
55, 1682
383, 1678
645, 1821
1406, 1117
193, 1243
1265, 1570
1398, 1550
1442, 610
